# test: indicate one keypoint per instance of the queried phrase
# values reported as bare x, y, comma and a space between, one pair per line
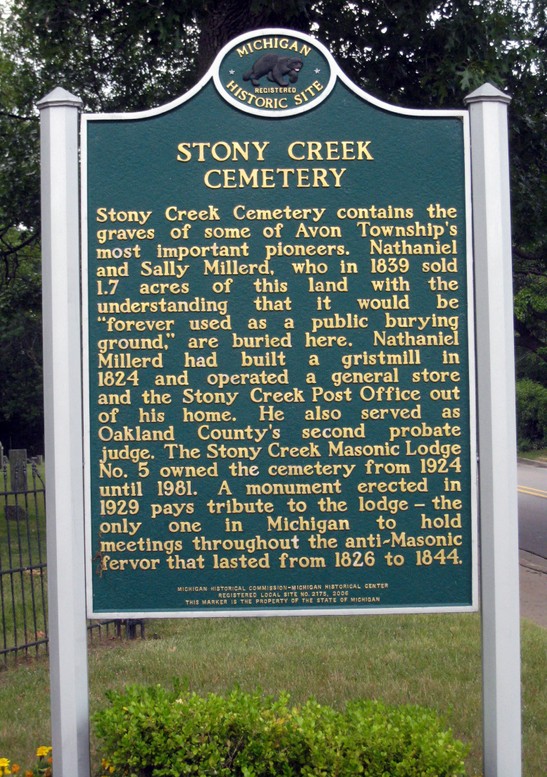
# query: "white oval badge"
274, 72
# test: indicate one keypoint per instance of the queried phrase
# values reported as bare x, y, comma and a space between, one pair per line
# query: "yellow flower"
4, 766
43, 751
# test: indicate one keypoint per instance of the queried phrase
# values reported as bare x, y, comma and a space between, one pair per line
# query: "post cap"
487, 93
59, 97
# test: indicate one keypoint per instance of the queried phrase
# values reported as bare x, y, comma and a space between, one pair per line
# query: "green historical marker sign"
279, 407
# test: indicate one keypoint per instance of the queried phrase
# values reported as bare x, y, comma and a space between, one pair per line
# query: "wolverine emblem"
275, 68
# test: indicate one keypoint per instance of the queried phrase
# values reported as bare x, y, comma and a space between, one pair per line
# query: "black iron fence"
23, 601
23, 564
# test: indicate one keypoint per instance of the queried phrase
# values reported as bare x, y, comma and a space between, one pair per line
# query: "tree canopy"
121, 55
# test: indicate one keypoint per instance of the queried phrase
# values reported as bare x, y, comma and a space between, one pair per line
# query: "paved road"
532, 481
532, 486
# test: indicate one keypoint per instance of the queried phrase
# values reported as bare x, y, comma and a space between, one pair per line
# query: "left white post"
59, 117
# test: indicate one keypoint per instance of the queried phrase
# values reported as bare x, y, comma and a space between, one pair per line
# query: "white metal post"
63, 433
497, 433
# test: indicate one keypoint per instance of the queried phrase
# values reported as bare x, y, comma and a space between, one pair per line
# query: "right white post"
497, 432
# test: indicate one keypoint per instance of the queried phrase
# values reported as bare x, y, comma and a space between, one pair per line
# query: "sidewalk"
533, 588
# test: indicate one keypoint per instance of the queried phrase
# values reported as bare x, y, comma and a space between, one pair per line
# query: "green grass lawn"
534, 455
432, 660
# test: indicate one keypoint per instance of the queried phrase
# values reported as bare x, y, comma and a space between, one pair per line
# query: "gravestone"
18, 470
18, 483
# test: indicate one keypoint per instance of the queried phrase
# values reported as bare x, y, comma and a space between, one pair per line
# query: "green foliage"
150, 732
531, 318
531, 415
21, 404
428, 52
21, 401
114, 55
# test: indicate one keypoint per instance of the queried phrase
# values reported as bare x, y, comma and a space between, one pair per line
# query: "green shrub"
151, 732
531, 414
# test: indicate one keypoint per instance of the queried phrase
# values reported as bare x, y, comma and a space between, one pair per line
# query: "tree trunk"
220, 22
